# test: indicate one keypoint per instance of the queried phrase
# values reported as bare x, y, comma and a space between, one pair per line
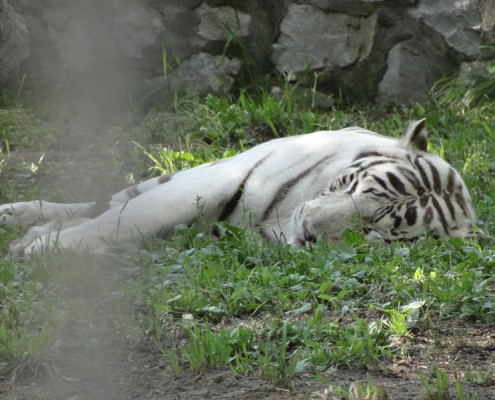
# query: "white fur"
199, 195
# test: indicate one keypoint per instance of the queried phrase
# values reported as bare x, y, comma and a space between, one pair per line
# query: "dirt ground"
100, 357
111, 371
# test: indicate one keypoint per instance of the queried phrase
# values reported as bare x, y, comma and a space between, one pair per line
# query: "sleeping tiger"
291, 190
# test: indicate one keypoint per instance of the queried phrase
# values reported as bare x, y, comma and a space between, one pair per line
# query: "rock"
313, 39
471, 72
139, 30
74, 45
357, 8
206, 73
411, 64
459, 22
487, 9
220, 23
15, 46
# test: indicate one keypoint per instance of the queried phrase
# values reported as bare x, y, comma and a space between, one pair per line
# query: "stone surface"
313, 39
220, 23
487, 9
410, 65
458, 21
15, 46
390, 50
205, 72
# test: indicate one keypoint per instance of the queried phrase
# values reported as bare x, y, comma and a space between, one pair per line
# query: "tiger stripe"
437, 185
412, 179
396, 183
441, 214
132, 192
234, 200
451, 181
422, 174
165, 178
411, 216
383, 184
286, 187
461, 201
450, 206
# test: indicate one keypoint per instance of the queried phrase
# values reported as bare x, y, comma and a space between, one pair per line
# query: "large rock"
206, 73
313, 39
411, 65
458, 22
222, 23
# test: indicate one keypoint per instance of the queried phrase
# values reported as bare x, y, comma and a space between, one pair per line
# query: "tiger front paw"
23, 214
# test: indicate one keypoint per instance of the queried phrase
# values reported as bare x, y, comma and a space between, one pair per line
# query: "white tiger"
291, 189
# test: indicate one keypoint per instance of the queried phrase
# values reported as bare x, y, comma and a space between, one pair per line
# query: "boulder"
311, 38
412, 64
458, 22
221, 23
204, 72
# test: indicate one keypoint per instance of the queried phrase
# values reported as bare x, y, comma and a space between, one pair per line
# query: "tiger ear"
415, 136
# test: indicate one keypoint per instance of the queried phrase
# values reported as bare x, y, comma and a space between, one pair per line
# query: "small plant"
172, 355
368, 392
397, 322
468, 89
481, 377
274, 362
439, 390
24, 353
332, 392
166, 161
362, 342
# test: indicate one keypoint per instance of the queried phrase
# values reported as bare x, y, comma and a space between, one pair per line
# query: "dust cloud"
91, 76
91, 357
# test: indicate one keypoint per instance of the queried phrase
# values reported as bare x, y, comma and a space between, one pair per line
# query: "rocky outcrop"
389, 50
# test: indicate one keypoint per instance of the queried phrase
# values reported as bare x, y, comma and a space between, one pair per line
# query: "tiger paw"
23, 213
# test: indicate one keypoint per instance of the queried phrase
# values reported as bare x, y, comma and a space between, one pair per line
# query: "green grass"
242, 278
239, 303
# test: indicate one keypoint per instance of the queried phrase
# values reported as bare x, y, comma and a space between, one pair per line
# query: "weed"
368, 392
439, 390
468, 89
275, 363
25, 353
397, 322
355, 391
482, 377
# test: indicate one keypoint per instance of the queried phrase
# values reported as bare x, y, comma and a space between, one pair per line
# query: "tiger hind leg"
50, 229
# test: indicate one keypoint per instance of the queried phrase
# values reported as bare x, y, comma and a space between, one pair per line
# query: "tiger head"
390, 195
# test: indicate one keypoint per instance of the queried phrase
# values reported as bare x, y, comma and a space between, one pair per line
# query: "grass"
236, 302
